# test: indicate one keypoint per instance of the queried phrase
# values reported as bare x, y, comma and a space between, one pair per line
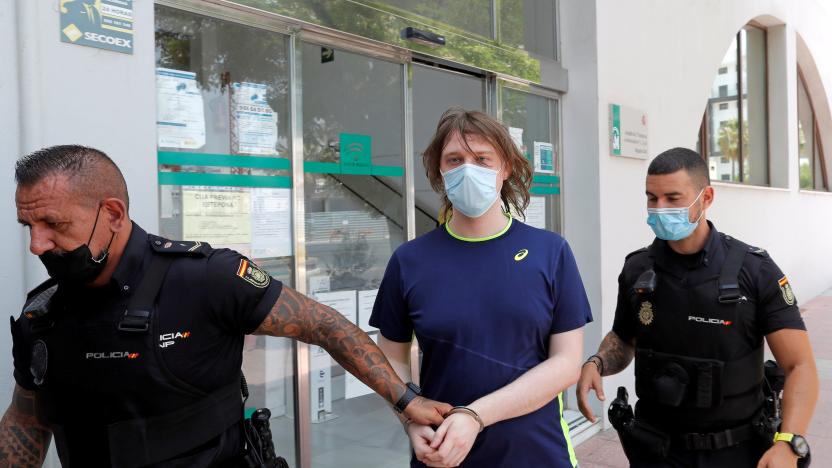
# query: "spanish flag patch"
252, 274
786, 290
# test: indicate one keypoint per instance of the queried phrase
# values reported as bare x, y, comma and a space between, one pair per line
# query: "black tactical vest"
699, 360
104, 388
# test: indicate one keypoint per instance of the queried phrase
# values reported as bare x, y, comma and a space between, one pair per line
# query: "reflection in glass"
805, 137
435, 91
532, 120
754, 106
467, 26
469, 15
723, 120
253, 221
353, 140
529, 25
737, 147
810, 162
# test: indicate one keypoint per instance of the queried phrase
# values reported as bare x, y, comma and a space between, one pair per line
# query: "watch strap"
410, 393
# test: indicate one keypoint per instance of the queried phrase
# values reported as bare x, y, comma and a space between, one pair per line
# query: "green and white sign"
105, 24
628, 132
356, 153
544, 157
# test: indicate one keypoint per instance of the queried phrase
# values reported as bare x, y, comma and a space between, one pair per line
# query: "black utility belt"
640, 437
715, 440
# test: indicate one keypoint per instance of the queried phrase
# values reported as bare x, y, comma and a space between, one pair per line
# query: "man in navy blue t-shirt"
498, 308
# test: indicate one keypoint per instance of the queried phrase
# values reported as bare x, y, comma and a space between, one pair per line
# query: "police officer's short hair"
92, 173
677, 159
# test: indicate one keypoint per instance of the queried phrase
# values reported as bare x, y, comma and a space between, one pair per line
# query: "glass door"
532, 120
435, 90
225, 170
353, 140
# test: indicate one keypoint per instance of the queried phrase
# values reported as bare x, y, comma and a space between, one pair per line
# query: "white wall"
56, 93
89, 96
661, 56
581, 197
11, 280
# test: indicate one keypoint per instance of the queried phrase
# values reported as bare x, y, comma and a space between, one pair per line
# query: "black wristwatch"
411, 392
798, 443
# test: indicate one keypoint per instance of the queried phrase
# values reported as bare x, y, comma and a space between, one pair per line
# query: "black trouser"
746, 454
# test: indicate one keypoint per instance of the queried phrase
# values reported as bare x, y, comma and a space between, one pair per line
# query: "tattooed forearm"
615, 353
23, 440
297, 316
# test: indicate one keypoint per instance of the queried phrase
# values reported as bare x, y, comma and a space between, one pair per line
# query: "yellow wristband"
783, 436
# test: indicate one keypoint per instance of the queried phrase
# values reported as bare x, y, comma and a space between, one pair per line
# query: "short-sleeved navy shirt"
483, 312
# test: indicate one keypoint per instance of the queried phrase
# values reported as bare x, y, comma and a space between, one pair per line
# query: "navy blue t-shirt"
483, 312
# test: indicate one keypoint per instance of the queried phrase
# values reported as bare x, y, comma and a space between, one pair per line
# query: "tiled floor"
604, 451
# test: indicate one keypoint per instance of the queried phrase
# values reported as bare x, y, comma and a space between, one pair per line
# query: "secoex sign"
105, 24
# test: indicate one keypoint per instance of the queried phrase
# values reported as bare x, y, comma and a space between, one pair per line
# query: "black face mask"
77, 267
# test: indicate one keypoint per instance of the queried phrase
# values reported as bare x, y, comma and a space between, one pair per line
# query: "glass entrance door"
224, 150
434, 91
353, 143
532, 120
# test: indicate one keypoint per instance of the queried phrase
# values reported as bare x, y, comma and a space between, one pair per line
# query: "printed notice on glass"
271, 222
544, 158
366, 301
180, 117
354, 387
517, 138
217, 217
342, 301
536, 212
253, 121
318, 284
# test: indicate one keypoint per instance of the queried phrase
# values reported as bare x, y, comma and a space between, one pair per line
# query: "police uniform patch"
253, 274
40, 361
645, 314
786, 289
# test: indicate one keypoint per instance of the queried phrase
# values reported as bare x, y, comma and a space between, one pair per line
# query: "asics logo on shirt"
521, 255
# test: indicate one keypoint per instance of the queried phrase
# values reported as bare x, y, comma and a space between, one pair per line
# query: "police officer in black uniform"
693, 310
130, 353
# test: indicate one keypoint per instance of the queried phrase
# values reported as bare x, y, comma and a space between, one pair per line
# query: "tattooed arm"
23, 440
297, 316
613, 356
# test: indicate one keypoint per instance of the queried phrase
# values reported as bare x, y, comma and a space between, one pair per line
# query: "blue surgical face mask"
471, 189
673, 224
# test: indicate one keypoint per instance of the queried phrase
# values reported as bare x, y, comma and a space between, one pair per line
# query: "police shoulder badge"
253, 274
786, 290
40, 361
645, 314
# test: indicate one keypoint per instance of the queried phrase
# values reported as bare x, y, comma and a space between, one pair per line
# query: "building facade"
292, 131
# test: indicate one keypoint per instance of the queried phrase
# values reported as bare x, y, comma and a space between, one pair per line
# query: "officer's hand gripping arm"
23, 440
297, 316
